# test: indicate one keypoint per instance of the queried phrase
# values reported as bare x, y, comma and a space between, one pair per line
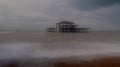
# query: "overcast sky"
40, 14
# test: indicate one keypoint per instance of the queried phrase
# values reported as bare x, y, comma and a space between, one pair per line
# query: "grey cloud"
109, 15
93, 4
25, 15
40, 14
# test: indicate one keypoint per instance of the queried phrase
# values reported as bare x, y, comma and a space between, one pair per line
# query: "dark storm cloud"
93, 4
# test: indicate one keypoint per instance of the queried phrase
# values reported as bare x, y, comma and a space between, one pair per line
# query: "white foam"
39, 50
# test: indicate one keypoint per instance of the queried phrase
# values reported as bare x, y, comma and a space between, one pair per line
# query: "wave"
113, 61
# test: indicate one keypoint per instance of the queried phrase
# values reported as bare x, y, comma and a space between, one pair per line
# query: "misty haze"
59, 33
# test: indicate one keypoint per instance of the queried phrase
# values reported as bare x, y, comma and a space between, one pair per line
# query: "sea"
42, 49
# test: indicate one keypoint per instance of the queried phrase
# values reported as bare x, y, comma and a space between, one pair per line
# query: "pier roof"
65, 22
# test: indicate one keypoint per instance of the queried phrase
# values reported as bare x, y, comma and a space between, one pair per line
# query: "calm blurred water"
37, 44
55, 45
